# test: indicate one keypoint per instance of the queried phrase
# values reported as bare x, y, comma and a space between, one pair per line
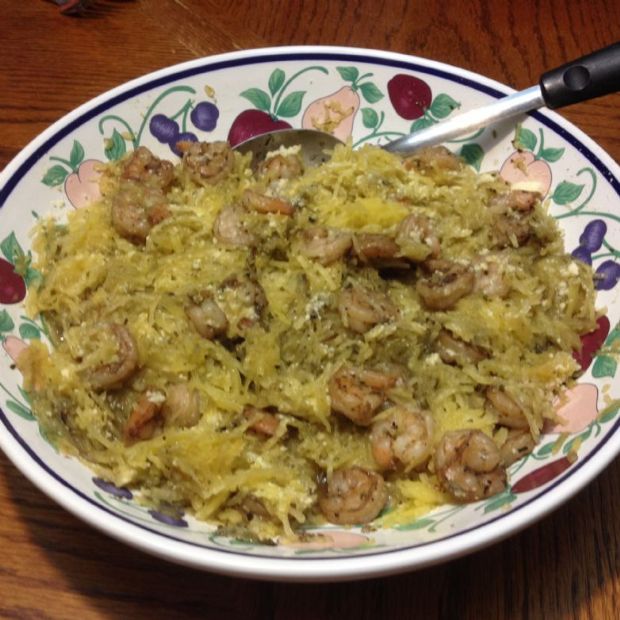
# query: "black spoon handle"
587, 77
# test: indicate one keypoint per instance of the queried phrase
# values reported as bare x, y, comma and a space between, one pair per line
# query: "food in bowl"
275, 347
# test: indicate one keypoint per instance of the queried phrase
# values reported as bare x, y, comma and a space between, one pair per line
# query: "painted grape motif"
591, 240
167, 130
204, 116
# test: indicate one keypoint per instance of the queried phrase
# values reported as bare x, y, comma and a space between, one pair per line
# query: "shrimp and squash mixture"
273, 347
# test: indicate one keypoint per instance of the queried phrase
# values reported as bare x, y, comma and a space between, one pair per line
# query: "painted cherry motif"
82, 186
523, 171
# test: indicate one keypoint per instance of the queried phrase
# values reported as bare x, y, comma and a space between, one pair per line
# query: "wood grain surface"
54, 566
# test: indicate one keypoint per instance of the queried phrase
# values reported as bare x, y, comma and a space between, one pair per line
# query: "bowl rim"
306, 568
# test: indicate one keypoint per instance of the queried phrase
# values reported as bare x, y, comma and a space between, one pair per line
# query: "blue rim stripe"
30, 161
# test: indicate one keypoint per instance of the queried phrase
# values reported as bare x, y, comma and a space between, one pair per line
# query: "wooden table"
54, 566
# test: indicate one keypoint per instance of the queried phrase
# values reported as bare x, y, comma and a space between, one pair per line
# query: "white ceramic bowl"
246, 91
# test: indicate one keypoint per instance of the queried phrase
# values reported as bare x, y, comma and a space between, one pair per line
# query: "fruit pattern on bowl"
352, 104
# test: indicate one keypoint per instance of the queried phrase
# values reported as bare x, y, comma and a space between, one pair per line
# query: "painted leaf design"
545, 449
28, 331
276, 79
604, 366
541, 476
418, 524
54, 176
609, 415
472, 154
499, 500
551, 154
115, 146
24, 394
370, 118
258, 98
48, 439
77, 154
6, 322
31, 275
442, 105
19, 410
370, 92
421, 123
291, 104
525, 139
10, 248
350, 74
566, 192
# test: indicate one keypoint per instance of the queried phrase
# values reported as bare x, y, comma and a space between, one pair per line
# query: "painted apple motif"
523, 171
578, 411
250, 123
82, 186
333, 113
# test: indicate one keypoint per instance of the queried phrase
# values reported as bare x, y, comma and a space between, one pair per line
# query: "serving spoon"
590, 76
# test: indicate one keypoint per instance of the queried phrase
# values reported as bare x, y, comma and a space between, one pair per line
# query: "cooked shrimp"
517, 445
114, 375
136, 210
207, 162
378, 250
358, 394
262, 421
281, 167
229, 228
207, 317
454, 351
247, 296
438, 157
146, 168
416, 239
261, 203
469, 465
402, 439
507, 410
447, 283
517, 200
182, 406
511, 211
324, 245
360, 309
144, 420
353, 496
489, 277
